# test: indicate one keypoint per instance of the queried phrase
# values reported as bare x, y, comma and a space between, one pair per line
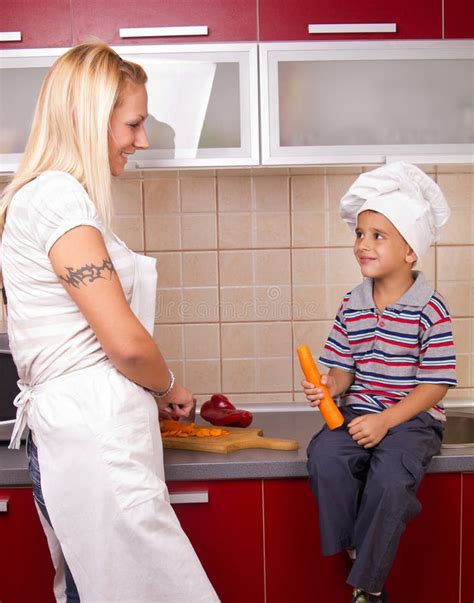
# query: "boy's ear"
411, 256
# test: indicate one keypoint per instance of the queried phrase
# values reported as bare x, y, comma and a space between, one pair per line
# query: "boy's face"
379, 248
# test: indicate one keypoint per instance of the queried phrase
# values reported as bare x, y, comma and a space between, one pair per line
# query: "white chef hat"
405, 195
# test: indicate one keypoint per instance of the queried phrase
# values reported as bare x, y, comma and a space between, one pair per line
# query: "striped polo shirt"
390, 353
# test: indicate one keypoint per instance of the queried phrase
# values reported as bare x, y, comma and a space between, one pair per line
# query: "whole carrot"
331, 413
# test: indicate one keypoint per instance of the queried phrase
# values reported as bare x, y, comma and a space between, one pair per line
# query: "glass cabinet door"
20, 82
367, 102
202, 103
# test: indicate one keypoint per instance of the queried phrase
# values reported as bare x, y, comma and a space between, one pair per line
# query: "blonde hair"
71, 122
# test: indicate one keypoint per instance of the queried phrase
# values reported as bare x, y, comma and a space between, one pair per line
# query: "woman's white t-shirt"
48, 334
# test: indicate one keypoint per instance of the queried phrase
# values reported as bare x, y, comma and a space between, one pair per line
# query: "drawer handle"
10, 36
181, 498
4, 505
331, 28
146, 32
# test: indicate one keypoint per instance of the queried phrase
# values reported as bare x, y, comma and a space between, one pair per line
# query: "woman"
80, 321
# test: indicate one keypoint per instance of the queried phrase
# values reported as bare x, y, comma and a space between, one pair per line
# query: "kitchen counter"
293, 421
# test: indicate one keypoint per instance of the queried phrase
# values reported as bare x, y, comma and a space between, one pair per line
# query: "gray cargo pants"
367, 496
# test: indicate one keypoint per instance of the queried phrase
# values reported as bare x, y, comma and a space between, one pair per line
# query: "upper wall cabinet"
458, 19
147, 22
353, 102
202, 103
346, 19
33, 24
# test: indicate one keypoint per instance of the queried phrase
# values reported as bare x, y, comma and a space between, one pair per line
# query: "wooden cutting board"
238, 439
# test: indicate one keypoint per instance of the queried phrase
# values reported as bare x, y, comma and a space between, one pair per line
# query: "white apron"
101, 460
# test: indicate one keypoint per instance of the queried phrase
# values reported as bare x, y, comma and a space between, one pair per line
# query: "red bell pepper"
219, 410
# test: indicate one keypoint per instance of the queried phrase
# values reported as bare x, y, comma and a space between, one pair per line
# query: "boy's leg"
337, 468
389, 499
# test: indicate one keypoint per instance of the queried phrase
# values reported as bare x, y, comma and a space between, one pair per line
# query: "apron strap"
21, 402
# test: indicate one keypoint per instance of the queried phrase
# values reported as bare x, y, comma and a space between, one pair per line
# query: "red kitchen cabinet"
226, 532
227, 20
458, 19
42, 24
286, 20
295, 569
432, 540
467, 554
227, 535
428, 560
26, 570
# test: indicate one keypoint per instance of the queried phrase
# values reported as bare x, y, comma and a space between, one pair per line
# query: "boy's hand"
368, 430
315, 394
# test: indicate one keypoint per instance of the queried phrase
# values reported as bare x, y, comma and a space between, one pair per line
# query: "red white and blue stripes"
391, 353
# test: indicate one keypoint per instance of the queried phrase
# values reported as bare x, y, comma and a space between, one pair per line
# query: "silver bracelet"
167, 390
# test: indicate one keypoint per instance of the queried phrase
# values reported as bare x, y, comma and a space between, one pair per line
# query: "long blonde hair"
71, 122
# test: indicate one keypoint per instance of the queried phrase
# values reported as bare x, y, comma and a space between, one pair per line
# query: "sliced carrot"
170, 425
171, 428
219, 432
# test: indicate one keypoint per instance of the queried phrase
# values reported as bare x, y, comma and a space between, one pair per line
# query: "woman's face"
127, 127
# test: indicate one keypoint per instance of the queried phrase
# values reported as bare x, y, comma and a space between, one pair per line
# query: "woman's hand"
177, 404
315, 394
368, 430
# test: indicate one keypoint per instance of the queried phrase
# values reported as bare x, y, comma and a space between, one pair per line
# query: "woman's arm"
82, 263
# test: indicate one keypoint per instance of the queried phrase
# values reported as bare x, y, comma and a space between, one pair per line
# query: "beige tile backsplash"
253, 262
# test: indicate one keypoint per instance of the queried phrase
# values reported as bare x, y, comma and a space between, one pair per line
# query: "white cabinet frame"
271, 54
258, 71
243, 54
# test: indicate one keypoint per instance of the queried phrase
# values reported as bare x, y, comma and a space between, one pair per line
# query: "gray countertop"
289, 421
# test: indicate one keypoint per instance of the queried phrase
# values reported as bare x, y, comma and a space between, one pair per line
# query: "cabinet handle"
331, 28
180, 498
145, 32
10, 36
4, 505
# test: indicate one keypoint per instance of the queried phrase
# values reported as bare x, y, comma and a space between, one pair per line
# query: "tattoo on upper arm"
88, 273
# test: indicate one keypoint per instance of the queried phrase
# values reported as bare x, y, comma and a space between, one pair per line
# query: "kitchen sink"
459, 432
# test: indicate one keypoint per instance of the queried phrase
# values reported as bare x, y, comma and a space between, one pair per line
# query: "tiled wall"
252, 263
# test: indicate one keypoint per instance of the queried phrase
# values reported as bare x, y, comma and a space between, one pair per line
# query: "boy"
391, 360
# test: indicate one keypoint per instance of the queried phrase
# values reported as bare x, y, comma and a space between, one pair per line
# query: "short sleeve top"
48, 334
390, 353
